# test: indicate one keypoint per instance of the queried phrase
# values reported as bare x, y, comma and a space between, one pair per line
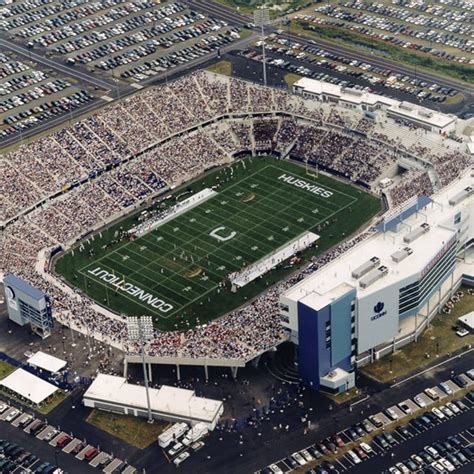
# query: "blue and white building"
382, 293
27, 305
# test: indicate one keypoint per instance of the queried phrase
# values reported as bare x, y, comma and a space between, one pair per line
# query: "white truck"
197, 432
172, 434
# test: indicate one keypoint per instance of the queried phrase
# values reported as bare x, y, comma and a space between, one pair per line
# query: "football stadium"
182, 259
235, 215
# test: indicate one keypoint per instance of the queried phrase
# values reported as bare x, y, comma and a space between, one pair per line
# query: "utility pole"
141, 330
261, 18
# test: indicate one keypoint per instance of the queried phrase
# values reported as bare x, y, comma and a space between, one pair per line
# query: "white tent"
47, 362
28, 386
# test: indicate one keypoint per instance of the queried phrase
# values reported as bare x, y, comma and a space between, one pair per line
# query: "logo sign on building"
11, 298
378, 311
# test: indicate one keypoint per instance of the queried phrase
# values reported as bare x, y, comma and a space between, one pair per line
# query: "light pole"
261, 18
141, 330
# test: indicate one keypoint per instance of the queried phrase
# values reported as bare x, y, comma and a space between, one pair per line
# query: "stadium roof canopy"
47, 362
28, 386
169, 402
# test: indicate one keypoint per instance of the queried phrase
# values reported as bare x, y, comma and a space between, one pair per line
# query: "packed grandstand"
58, 188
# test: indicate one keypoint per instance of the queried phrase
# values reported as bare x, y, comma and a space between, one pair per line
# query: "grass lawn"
179, 272
463, 72
221, 67
343, 397
438, 337
291, 78
56, 400
135, 431
5, 369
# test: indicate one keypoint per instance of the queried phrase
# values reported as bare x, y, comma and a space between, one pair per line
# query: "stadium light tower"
141, 330
261, 17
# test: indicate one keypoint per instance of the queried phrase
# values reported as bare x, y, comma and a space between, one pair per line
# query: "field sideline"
178, 272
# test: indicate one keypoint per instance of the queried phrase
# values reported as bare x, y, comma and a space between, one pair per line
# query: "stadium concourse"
57, 189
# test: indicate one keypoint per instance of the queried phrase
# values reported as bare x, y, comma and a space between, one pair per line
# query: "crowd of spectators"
85, 174
414, 183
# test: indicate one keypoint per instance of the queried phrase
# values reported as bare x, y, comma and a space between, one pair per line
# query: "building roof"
47, 362
314, 86
421, 114
327, 283
28, 386
405, 110
15, 282
468, 320
169, 400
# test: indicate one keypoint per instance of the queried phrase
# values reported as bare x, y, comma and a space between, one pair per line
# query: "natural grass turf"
439, 335
160, 262
290, 79
55, 400
222, 67
343, 397
5, 369
135, 431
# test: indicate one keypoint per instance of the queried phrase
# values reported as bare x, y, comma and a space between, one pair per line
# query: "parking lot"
131, 40
18, 457
318, 63
29, 95
441, 31
375, 440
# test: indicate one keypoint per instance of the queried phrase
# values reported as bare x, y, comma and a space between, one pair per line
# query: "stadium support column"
206, 373
178, 373
256, 361
125, 368
233, 371
150, 375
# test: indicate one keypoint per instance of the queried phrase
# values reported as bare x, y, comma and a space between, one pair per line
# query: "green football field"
179, 271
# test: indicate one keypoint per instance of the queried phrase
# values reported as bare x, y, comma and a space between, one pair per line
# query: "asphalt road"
67, 70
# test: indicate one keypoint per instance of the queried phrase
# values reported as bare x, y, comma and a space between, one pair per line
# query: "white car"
306, 455
419, 401
366, 448
175, 449
12, 415
275, 469
453, 408
432, 452
446, 411
402, 468
3, 407
298, 458
447, 465
438, 466
354, 458
439, 414
182, 457
392, 414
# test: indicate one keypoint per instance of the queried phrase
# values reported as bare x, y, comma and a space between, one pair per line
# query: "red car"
90, 454
338, 440
65, 439
360, 452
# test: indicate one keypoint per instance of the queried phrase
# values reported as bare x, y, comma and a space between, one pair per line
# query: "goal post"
313, 172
